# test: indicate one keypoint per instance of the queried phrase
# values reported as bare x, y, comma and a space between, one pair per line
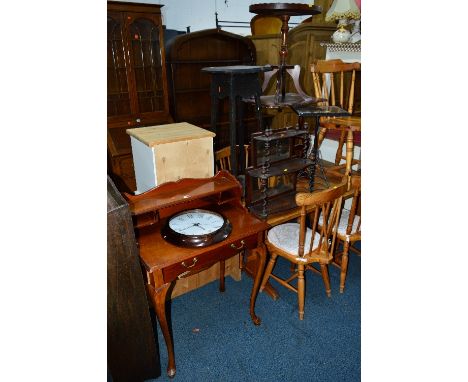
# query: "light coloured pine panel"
171, 152
184, 159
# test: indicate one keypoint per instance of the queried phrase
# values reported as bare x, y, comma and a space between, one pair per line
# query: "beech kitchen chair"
293, 241
349, 229
335, 80
261, 24
223, 158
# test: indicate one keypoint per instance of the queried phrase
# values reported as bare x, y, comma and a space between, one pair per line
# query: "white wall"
179, 14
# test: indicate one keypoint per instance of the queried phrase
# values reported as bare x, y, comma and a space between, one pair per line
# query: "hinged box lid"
173, 132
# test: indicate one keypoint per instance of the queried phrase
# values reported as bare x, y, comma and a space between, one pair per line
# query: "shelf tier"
291, 133
275, 206
280, 168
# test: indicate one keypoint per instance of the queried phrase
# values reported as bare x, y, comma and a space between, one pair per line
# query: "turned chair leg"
326, 278
268, 270
339, 151
300, 290
344, 265
349, 152
321, 136
292, 267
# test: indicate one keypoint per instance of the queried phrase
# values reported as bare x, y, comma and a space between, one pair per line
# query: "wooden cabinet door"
119, 105
136, 79
136, 72
146, 59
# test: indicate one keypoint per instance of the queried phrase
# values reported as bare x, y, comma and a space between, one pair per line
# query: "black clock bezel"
196, 241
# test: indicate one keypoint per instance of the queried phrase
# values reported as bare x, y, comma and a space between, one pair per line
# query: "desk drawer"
201, 261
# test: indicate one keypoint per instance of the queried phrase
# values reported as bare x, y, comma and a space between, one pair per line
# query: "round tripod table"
284, 11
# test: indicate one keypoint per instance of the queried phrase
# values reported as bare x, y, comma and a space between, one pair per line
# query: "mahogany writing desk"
165, 262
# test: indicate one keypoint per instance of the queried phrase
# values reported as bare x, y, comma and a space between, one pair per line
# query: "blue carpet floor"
215, 340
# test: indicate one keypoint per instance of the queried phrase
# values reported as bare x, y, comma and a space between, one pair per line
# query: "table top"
237, 69
285, 9
274, 102
322, 111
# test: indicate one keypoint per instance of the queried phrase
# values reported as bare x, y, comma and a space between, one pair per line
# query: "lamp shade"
343, 9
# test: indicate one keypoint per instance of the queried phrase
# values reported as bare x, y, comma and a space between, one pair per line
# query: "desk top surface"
157, 253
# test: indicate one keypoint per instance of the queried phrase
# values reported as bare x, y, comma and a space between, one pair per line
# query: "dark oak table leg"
232, 132
240, 134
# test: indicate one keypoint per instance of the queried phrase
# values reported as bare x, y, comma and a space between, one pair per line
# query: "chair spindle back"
326, 203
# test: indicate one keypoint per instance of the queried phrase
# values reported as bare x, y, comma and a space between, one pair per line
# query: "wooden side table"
284, 11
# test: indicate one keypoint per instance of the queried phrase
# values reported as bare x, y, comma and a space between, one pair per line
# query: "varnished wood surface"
352, 122
183, 191
156, 253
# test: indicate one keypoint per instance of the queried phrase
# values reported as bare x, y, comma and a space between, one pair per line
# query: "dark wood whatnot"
136, 81
132, 354
278, 157
165, 262
189, 88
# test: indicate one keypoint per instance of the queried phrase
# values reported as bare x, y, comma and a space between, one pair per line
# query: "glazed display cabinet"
136, 81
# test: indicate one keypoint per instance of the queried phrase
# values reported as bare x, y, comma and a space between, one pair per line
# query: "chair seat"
343, 224
286, 237
352, 122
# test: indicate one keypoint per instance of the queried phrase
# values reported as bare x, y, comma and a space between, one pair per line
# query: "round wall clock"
196, 228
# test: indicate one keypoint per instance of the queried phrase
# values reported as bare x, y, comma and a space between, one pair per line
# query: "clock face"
196, 222
196, 228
